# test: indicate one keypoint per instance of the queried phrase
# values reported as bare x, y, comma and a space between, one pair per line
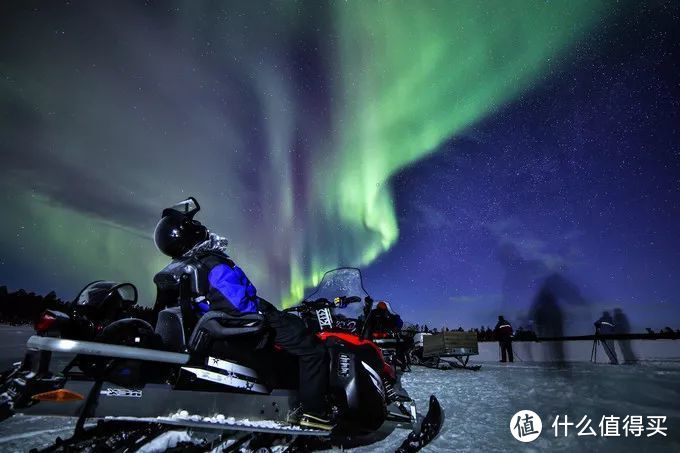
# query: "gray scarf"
214, 243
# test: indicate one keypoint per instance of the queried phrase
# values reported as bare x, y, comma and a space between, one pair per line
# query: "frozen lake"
479, 405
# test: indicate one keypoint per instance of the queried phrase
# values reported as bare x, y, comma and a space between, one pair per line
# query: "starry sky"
459, 153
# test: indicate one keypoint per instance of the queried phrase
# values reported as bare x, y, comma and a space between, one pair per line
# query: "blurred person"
605, 326
548, 320
520, 278
622, 327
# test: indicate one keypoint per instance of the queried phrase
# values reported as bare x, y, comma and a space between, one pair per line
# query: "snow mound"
220, 419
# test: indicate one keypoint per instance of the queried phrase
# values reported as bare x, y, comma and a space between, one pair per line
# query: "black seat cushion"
219, 325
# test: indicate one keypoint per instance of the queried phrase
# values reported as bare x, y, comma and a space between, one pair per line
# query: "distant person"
548, 320
503, 333
382, 319
605, 326
622, 327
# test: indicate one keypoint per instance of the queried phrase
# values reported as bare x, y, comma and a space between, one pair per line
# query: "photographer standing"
503, 332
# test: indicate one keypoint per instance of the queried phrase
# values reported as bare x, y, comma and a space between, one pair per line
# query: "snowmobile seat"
218, 325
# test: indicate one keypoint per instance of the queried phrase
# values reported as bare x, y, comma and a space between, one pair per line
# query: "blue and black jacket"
229, 289
217, 283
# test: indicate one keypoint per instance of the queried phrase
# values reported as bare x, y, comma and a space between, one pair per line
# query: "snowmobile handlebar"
311, 305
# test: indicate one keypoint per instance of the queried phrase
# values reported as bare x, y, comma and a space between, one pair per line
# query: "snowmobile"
416, 352
395, 347
392, 344
348, 315
222, 380
97, 305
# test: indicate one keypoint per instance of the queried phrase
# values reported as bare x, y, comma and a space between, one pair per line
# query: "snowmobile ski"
429, 429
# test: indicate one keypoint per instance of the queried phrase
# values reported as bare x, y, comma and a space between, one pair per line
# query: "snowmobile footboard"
160, 400
104, 350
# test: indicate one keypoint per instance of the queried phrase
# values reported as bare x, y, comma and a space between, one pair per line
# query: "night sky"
459, 153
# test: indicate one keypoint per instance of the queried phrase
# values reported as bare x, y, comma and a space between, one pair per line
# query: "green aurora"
405, 77
415, 74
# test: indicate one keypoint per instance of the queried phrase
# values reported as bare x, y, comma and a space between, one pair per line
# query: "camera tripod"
608, 349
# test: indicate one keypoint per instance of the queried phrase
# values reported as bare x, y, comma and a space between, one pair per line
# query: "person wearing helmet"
219, 284
383, 319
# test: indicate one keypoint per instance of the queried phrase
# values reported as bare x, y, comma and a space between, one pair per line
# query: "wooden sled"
451, 348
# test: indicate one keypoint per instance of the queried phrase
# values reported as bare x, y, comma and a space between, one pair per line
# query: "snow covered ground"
479, 406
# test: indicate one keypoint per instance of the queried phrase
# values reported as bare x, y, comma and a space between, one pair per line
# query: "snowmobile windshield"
97, 293
342, 283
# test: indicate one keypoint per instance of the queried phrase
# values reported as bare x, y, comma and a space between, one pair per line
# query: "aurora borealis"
293, 123
413, 77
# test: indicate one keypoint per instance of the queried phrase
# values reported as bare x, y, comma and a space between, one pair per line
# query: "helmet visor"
188, 208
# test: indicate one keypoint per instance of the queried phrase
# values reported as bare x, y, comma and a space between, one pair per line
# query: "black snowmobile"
97, 305
223, 380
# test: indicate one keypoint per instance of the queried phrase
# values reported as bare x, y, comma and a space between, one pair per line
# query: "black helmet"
177, 231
